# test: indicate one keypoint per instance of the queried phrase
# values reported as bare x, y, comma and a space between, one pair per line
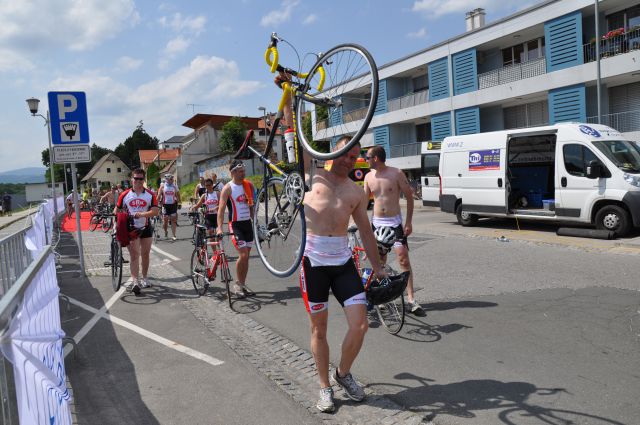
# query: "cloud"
437, 8
14, 61
421, 33
310, 19
282, 15
36, 25
115, 108
127, 63
188, 24
176, 45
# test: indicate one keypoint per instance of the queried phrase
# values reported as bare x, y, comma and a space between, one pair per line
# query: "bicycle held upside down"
345, 76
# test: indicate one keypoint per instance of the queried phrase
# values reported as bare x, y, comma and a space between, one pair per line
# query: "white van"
566, 172
429, 173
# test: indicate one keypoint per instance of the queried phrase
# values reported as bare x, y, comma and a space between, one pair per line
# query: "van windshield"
624, 154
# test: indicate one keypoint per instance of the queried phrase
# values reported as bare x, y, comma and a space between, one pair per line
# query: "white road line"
166, 254
101, 314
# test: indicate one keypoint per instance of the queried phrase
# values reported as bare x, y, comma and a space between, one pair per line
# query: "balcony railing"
409, 149
624, 122
613, 46
355, 115
512, 73
322, 125
408, 100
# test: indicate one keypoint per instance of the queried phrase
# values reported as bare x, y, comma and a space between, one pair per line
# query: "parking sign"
68, 118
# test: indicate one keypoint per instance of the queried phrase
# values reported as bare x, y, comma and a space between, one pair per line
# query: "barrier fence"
32, 374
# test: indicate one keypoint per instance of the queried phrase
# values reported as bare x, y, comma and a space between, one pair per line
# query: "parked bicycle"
101, 216
205, 268
279, 222
390, 307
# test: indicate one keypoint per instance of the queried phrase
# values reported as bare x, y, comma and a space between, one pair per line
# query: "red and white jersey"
239, 203
169, 193
211, 200
133, 203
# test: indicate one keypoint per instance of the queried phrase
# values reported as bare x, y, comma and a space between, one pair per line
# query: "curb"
9, 223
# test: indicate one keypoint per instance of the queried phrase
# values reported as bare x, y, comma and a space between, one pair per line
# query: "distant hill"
23, 175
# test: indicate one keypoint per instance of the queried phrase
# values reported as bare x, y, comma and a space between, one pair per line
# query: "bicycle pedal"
125, 261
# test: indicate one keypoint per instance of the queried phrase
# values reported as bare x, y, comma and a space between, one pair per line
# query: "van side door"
430, 179
577, 192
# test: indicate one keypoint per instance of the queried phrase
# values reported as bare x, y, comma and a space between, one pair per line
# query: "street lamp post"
33, 108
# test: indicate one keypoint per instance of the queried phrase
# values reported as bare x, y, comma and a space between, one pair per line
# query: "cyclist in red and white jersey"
169, 196
141, 205
211, 201
238, 196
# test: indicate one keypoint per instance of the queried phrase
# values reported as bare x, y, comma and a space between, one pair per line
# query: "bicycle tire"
225, 275
279, 229
116, 265
94, 222
364, 75
107, 222
391, 315
198, 273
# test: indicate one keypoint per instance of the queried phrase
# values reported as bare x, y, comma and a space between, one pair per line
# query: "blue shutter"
381, 138
465, 71
438, 79
567, 104
381, 104
468, 121
563, 42
335, 116
440, 126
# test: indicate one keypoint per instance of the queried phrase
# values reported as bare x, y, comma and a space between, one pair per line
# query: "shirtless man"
386, 183
327, 264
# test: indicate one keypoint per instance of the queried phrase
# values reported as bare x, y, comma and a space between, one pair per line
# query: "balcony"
624, 122
409, 149
355, 115
613, 45
408, 100
512, 73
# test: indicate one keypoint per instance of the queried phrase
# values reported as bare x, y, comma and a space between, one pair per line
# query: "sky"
159, 62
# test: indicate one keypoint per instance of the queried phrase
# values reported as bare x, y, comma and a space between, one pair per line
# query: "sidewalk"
6, 220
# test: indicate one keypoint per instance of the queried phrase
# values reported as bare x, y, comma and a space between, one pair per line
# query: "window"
119, 169
628, 18
420, 83
430, 165
108, 170
527, 51
576, 159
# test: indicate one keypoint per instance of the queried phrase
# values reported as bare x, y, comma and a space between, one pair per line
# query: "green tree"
153, 172
127, 151
307, 129
233, 134
58, 169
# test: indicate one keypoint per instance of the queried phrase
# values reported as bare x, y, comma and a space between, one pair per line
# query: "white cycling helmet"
385, 237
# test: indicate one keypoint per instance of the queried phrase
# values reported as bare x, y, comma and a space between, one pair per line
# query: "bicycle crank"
294, 188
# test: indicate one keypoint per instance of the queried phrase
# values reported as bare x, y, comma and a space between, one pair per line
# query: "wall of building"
402, 134
491, 119
39, 191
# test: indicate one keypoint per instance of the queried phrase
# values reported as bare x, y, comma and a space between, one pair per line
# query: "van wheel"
613, 218
465, 218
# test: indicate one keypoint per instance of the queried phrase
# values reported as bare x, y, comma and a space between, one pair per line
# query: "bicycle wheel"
107, 222
347, 102
199, 272
116, 265
391, 315
279, 229
225, 276
94, 222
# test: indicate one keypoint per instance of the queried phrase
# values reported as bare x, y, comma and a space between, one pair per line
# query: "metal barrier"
624, 122
613, 45
408, 100
512, 73
409, 149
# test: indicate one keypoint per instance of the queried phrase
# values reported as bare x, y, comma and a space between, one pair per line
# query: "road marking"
102, 314
166, 254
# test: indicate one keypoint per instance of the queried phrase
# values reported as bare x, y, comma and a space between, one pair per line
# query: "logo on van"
475, 157
589, 131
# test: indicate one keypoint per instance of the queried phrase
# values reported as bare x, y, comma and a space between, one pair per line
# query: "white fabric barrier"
33, 342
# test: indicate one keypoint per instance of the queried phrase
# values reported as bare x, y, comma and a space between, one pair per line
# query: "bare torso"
385, 186
329, 204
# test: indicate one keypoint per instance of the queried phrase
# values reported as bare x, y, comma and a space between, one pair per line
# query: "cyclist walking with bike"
386, 183
169, 197
140, 204
237, 195
211, 200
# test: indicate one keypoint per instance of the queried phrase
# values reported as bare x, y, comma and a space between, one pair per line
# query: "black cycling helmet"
386, 290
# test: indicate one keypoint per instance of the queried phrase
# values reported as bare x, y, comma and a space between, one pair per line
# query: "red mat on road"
69, 224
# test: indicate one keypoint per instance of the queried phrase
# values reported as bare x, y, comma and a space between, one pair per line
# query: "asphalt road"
518, 332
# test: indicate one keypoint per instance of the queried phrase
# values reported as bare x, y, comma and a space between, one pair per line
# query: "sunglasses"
139, 178
369, 157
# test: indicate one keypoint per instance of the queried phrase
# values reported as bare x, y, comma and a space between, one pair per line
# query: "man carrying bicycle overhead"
140, 204
169, 196
211, 200
386, 183
327, 265
237, 195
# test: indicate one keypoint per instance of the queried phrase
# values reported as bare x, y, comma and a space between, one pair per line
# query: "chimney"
475, 19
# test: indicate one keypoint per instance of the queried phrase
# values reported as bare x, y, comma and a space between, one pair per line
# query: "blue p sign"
68, 118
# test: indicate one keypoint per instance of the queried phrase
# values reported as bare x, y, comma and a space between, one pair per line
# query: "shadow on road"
465, 399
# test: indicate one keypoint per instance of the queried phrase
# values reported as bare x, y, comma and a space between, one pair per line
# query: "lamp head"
33, 105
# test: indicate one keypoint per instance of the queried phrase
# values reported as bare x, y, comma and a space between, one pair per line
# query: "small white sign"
74, 153
70, 132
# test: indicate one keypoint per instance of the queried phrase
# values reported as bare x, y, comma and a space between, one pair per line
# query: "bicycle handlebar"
272, 58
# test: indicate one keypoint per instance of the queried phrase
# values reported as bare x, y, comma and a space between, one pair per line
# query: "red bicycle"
205, 267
